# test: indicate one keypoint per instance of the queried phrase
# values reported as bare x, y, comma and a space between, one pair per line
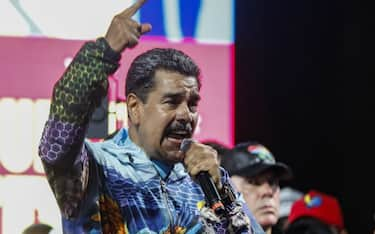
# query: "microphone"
207, 184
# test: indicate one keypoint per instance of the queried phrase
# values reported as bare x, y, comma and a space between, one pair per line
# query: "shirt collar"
136, 155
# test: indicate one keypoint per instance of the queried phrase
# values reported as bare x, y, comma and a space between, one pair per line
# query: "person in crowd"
316, 213
143, 179
288, 196
256, 175
309, 225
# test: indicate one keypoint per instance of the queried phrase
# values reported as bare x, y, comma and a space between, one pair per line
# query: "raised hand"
125, 32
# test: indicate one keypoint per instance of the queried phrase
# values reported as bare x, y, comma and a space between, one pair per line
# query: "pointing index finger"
130, 11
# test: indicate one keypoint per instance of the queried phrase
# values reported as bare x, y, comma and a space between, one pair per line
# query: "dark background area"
302, 89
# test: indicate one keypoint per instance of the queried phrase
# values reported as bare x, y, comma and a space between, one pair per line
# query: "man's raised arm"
75, 96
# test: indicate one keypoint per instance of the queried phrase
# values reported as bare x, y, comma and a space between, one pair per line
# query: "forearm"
84, 83
75, 96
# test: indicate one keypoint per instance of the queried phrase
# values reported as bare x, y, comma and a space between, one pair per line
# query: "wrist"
109, 54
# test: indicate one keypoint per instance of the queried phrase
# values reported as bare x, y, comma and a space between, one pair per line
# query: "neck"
133, 135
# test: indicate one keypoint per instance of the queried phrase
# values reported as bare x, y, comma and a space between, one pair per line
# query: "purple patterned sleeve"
66, 163
60, 139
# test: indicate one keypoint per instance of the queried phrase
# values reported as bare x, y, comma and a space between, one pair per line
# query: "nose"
183, 113
269, 189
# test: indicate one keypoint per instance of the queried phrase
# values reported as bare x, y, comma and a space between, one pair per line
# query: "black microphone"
207, 184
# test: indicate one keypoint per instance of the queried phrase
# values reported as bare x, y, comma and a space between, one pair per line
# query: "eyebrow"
173, 95
194, 95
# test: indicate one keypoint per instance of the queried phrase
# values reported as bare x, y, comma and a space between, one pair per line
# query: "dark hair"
308, 225
140, 77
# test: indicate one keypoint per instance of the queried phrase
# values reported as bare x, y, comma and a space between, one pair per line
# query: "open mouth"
178, 136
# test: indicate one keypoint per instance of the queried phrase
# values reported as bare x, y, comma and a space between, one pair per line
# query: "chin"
171, 157
268, 221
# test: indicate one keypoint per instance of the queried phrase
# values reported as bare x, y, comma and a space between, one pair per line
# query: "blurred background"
292, 75
303, 89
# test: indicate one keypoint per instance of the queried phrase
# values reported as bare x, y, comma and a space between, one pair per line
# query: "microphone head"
185, 145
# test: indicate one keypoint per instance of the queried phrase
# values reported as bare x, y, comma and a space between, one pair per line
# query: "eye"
254, 181
171, 101
273, 182
257, 180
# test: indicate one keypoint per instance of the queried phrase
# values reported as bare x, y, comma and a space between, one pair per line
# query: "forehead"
168, 81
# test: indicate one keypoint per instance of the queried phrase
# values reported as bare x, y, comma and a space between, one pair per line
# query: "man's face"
168, 116
262, 195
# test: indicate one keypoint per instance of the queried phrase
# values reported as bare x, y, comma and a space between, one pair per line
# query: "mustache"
178, 126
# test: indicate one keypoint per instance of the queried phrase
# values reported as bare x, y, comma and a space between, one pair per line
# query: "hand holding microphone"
201, 162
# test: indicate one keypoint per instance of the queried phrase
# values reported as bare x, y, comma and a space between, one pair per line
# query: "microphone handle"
209, 189
207, 184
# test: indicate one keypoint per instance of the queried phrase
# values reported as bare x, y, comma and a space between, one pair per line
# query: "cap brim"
282, 171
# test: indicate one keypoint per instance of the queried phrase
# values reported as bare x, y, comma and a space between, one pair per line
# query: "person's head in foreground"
256, 174
316, 212
162, 90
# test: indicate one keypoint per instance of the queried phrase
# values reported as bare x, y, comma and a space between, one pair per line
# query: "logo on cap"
261, 152
312, 202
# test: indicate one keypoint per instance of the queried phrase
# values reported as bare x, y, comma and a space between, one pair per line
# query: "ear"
133, 104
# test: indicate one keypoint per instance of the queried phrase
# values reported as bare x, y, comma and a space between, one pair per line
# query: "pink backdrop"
31, 66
